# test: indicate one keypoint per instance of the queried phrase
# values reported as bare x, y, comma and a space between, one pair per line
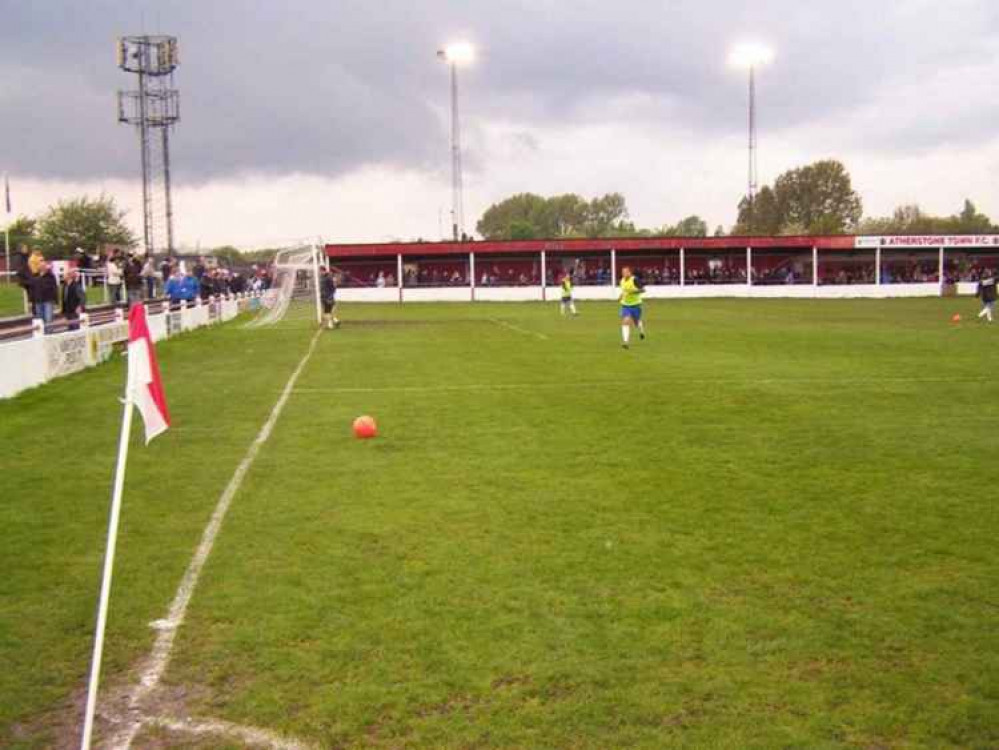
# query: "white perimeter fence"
690, 291
25, 363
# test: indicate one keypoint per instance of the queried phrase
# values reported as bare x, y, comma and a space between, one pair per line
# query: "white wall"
22, 365
373, 294
508, 294
437, 294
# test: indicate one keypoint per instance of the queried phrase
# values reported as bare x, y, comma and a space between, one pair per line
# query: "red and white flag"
144, 375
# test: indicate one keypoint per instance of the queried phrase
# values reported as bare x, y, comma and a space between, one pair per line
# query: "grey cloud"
326, 86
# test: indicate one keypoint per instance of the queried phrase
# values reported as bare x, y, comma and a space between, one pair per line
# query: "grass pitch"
772, 524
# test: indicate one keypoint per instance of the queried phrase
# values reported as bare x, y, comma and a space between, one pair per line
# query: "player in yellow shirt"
632, 290
568, 304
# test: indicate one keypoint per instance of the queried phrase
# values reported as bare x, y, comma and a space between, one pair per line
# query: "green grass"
772, 524
11, 300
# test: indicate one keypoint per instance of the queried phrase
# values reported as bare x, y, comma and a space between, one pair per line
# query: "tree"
530, 216
970, 221
524, 208
606, 214
763, 217
911, 219
83, 222
521, 229
227, 253
21, 231
818, 197
692, 226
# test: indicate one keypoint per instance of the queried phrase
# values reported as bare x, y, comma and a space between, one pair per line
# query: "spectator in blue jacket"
181, 288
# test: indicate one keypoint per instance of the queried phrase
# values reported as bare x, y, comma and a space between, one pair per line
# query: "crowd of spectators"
128, 278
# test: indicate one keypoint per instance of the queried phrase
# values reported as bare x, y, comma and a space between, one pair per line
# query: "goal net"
293, 294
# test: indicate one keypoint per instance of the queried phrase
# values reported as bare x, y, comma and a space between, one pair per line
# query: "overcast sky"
329, 117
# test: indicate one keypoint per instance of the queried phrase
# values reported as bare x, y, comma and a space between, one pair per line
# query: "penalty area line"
842, 382
166, 629
518, 329
247, 736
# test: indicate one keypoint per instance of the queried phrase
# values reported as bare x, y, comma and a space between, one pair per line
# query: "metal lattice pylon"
154, 108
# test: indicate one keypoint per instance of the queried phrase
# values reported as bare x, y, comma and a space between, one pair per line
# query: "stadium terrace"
799, 266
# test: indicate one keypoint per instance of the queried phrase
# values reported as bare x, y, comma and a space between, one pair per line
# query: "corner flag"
144, 390
144, 375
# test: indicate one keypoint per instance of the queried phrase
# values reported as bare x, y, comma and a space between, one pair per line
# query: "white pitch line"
166, 628
518, 329
632, 383
248, 736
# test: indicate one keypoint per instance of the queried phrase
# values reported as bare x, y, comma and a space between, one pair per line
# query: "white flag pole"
102, 610
6, 227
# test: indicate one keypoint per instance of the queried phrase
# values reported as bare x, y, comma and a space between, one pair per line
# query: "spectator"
112, 273
199, 269
166, 270
35, 261
380, 281
149, 277
133, 279
181, 288
23, 275
74, 299
45, 293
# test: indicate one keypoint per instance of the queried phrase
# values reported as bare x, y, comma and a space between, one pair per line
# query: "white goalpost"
294, 293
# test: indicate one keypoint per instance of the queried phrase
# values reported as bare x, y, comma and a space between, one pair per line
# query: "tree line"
93, 223
84, 222
817, 199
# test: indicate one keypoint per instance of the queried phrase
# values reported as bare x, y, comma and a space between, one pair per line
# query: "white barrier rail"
674, 291
25, 363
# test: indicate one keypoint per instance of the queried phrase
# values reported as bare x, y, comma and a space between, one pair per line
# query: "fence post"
471, 273
398, 278
877, 266
544, 276
683, 267
749, 266
613, 267
940, 272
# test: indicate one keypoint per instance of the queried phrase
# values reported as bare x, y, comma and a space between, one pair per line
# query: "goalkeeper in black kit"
986, 292
327, 292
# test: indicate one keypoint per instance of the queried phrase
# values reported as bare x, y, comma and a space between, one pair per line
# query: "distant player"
987, 294
632, 290
568, 305
327, 293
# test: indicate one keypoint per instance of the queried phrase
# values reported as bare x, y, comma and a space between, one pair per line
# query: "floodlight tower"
751, 56
154, 108
455, 55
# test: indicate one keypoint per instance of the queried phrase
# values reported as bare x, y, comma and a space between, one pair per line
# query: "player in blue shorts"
632, 290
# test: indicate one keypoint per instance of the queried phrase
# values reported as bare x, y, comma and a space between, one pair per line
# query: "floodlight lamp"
750, 55
460, 52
